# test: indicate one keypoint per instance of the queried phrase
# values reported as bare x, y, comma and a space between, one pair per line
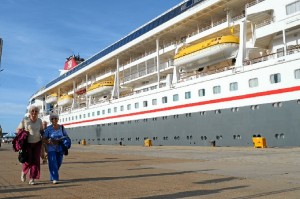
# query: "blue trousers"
54, 162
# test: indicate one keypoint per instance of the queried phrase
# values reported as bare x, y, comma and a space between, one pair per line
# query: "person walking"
53, 136
44, 146
33, 126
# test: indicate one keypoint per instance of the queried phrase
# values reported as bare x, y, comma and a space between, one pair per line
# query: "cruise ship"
202, 72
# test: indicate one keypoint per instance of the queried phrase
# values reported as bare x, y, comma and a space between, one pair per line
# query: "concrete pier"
92, 171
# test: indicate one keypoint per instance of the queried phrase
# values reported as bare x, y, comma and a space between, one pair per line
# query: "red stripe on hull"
226, 99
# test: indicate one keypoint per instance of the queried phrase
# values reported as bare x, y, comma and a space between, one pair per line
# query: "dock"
98, 171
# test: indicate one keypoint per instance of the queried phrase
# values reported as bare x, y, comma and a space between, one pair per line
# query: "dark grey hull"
278, 124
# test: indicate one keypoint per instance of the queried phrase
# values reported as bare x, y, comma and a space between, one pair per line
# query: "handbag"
23, 156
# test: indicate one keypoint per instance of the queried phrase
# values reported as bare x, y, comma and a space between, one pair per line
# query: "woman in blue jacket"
53, 136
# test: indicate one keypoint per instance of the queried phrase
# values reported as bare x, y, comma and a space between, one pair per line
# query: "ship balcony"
258, 9
145, 74
293, 51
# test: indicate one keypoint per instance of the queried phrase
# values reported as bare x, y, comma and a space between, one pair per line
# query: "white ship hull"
245, 90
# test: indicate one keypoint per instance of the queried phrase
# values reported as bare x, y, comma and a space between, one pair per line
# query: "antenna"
1, 44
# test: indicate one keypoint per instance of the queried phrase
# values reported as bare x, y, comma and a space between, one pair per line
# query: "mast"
1, 45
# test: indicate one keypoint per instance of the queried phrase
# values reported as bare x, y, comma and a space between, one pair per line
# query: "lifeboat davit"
100, 88
205, 53
65, 100
51, 99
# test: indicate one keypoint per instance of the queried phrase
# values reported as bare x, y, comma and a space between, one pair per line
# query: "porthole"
203, 138
202, 113
218, 111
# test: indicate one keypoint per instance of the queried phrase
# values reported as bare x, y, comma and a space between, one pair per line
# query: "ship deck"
97, 171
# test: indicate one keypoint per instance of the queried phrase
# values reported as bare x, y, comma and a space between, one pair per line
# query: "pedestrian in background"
44, 146
53, 136
33, 125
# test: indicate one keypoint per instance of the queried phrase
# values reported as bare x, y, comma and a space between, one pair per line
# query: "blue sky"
39, 34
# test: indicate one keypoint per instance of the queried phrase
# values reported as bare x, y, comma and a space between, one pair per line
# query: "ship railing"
248, 5
264, 23
291, 50
260, 59
104, 72
219, 22
238, 17
145, 72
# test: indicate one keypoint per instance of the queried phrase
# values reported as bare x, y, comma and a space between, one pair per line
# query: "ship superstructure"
203, 71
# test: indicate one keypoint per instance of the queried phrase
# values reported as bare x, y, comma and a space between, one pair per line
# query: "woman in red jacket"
33, 125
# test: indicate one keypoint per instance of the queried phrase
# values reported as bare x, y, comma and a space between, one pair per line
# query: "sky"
38, 36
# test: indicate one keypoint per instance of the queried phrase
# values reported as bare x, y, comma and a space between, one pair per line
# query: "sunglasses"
55, 118
34, 111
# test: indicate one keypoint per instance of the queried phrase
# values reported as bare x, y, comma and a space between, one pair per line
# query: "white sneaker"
23, 177
31, 182
55, 182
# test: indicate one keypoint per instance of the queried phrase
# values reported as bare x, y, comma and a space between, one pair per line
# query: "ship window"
280, 52
98, 113
83, 115
76, 117
293, 7
115, 109
217, 89
233, 86
128, 106
136, 105
103, 112
93, 114
109, 110
275, 78
72, 117
201, 92
164, 100
122, 108
253, 82
79, 116
145, 103
175, 97
297, 74
154, 101
187, 95
89, 115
